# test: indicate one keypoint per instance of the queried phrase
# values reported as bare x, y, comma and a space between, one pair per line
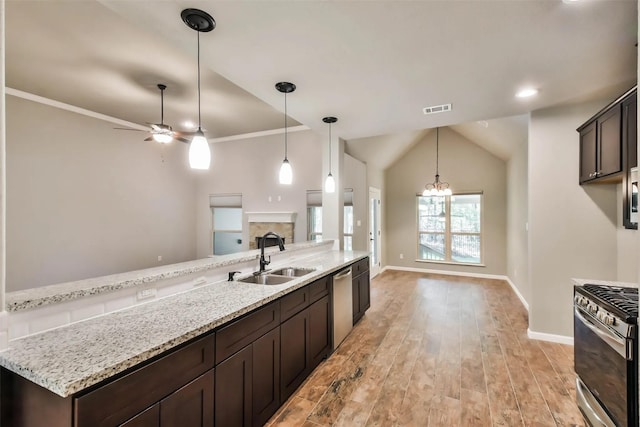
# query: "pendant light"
199, 152
330, 182
286, 173
437, 188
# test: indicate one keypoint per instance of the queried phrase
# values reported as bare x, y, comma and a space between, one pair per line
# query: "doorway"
375, 234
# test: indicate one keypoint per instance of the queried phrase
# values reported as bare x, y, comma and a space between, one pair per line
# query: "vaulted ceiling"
373, 64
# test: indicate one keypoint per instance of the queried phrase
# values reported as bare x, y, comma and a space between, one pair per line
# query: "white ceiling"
373, 64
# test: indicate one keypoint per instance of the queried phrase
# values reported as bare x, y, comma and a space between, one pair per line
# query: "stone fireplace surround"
281, 223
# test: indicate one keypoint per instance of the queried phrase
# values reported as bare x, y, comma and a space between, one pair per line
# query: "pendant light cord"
161, 106
329, 148
199, 116
285, 125
437, 150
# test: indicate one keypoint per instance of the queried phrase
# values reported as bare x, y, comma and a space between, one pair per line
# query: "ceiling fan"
161, 132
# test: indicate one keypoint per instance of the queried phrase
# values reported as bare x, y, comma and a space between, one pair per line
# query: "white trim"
561, 339
259, 134
57, 104
271, 216
517, 292
68, 107
446, 272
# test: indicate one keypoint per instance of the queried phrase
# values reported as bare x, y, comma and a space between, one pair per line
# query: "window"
450, 228
226, 214
314, 217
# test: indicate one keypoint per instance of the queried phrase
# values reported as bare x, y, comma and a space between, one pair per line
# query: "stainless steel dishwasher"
342, 306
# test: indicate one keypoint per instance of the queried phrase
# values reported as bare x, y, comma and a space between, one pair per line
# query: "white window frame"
448, 233
314, 201
233, 201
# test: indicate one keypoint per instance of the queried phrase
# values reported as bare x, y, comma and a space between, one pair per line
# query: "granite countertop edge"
68, 291
22, 363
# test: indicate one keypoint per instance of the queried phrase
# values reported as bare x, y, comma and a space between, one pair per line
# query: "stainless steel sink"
266, 279
292, 271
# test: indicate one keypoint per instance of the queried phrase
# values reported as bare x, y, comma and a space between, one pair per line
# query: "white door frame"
375, 263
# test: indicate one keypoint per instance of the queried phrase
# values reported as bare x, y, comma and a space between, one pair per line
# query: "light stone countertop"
72, 358
581, 282
52, 294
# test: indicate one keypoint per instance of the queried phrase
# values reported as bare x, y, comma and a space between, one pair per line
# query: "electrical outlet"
358, 223
159, 258
147, 293
401, 256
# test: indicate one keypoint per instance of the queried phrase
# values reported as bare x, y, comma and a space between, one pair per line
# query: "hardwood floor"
438, 350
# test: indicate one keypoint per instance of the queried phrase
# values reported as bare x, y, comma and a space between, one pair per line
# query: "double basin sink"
277, 277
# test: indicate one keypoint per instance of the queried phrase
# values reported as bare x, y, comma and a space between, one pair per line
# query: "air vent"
437, 109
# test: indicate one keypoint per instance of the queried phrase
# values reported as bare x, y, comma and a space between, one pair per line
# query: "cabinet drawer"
244, 331
319, 288
294, 302
119, 400
360, 267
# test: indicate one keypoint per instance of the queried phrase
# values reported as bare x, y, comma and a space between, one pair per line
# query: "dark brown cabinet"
294, 357
602, 144
235, 376
361, 289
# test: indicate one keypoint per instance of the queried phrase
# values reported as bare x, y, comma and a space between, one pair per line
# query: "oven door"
601, 364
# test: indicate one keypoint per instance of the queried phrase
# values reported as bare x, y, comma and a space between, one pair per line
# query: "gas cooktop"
619, 300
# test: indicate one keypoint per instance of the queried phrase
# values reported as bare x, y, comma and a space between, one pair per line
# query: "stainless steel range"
606, 354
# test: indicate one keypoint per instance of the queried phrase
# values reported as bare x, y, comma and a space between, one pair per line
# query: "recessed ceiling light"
526, 93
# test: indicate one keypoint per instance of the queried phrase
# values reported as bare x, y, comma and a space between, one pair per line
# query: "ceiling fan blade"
150, 138
179, 138
135, 130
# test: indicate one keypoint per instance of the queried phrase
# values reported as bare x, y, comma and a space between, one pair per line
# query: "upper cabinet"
603, 142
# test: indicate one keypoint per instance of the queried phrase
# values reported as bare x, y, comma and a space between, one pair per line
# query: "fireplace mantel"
286, 217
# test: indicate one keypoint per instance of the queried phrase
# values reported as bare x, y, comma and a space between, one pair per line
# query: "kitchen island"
57, 369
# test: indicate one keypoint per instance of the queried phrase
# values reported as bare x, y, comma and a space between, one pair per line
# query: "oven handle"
618, 344
590, 408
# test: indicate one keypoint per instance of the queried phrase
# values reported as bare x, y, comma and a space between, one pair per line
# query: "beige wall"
572, 228
250, 167
517, 219
467, 167
85, 200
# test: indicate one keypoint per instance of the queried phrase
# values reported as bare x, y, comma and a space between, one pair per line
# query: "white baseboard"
517, 292
561, 339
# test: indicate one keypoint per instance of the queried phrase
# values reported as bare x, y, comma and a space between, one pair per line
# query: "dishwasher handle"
342, 274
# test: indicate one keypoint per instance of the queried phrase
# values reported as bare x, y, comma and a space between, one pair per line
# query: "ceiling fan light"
286, 173
199, 152
330, 184
162, 138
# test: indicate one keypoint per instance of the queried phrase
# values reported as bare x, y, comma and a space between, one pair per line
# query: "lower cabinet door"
319, 331
294, 357
190, 406
148, 418
266, 377
233, 390
365, 291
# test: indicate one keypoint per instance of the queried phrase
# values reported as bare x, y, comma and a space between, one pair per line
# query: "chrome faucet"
263, 261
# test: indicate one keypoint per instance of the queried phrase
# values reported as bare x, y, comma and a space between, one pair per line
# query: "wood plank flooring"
438, 350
